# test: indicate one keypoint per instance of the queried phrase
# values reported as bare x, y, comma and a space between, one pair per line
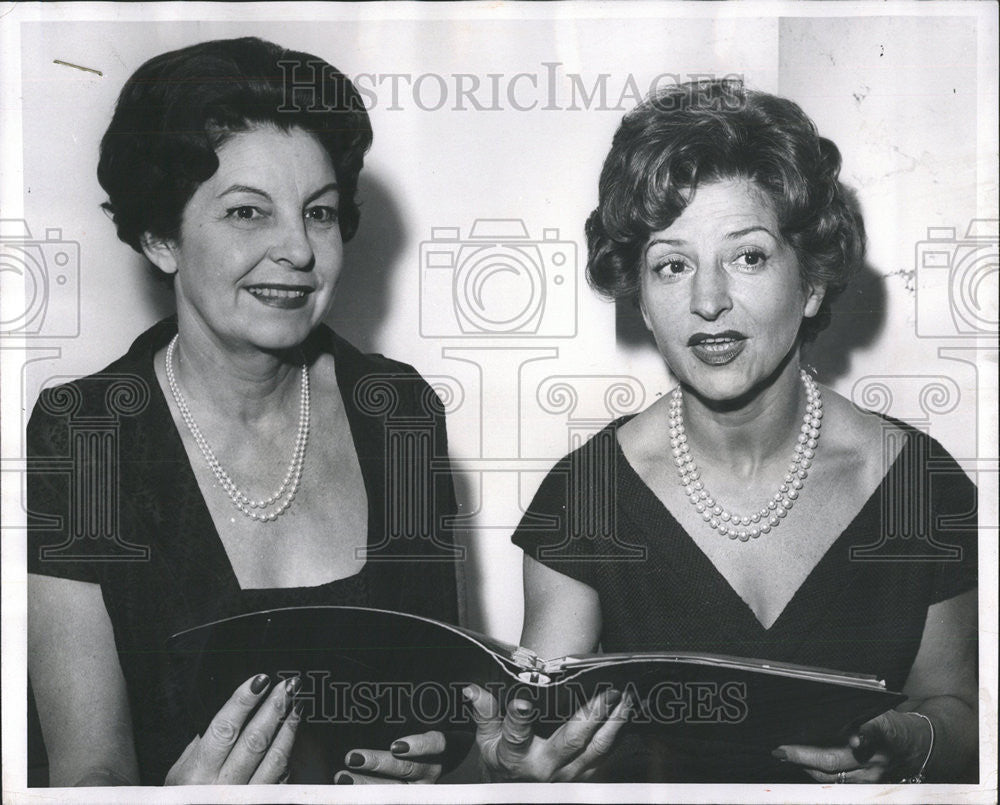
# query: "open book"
370, 676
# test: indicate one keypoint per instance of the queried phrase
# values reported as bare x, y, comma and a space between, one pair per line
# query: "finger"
516, 733
863, 746
276, 763
176, 774
485, 713
890, 731
385, 764
222, 733
426, 744
448, 748
575, 735
353, 778
868, 774
257, 735
599, 746
188, 750
830, 759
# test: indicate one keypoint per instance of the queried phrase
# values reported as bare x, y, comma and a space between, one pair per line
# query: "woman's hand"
233, 750
414, 759
510, 751
887, 748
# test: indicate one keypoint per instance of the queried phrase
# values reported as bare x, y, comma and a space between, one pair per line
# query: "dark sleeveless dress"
861, 609
112, 500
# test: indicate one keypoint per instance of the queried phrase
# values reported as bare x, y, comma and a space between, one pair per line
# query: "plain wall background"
900, 95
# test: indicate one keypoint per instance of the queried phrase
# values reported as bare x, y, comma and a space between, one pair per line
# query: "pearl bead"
743, 527
240, 500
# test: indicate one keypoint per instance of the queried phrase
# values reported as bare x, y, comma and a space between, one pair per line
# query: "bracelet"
919, 776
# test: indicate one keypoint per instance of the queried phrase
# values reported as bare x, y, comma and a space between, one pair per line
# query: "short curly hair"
707, 131
178, 108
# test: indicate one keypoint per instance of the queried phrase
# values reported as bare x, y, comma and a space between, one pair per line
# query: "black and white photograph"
502, 402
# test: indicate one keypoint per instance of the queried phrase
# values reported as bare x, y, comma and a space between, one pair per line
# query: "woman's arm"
84, 710
78, 684
562, 616
942, 685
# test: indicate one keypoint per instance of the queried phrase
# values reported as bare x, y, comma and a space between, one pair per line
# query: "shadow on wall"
858, 321
363, 292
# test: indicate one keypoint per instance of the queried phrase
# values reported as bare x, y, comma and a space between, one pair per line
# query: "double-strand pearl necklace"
261, 510
734, 526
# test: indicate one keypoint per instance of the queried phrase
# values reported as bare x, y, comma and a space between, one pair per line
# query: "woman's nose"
292, 246
710, 293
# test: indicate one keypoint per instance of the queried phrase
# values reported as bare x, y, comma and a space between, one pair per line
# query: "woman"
752, 492
252, 459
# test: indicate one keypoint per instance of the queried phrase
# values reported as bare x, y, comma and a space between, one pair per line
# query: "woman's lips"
717, 349
287, 297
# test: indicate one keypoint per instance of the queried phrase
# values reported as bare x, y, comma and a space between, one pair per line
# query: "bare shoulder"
643, 438
859, 439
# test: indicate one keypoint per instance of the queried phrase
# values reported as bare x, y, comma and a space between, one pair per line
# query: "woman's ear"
160, 252
814, 300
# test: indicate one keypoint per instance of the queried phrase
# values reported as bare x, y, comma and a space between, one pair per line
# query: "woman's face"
259, 251
721, 291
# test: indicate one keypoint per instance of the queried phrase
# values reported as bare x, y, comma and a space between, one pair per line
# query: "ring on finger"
842, 777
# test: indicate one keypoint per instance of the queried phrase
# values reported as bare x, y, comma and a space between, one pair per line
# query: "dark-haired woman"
251, 474
754, 498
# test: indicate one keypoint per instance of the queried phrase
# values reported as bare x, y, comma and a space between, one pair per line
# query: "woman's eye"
244, 213
751, 259
322, 214
671, 268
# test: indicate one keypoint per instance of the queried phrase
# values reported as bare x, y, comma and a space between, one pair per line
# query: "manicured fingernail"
355, 760
781, 754
612, 697
292, 686
259, 683
345, 779
399, 747
297, 708
468, 694
522, 708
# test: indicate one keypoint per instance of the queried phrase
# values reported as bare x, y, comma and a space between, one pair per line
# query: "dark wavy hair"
708, 131
178, 108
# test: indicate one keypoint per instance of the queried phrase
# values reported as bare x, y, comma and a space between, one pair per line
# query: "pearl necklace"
770, 516
260, 510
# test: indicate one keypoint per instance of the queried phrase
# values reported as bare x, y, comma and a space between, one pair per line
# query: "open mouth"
283, 296
717, 349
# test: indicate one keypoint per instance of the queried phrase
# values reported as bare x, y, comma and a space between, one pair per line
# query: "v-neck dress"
113, 500
861, 609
